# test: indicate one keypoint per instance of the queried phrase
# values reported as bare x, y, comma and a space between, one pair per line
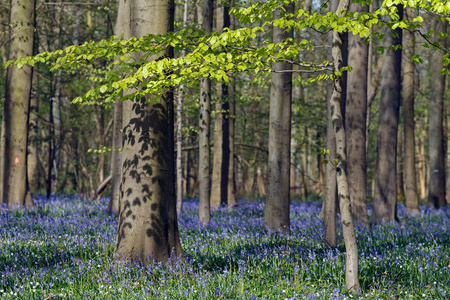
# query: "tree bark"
330, 199
385, 200
32, 156
276, 212
148, 228
356, 111
204, 210
116, 155
17, 103
180, 99
436, 183
221, 156
348, 230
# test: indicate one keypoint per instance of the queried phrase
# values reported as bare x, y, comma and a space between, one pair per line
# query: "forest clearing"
63, 248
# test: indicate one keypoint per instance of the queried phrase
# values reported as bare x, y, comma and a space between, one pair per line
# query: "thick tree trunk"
436, 183
385, 200
348, 230
148, 227
2, 158
204, 211
17, 102
356, 110
276, 212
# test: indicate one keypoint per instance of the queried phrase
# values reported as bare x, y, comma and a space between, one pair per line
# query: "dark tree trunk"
385, 200
355, 124
276, 212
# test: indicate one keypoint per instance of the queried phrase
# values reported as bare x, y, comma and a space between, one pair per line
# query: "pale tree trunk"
17, 103
329, 203
421, 165
148, 228
355, 124
180, 99
436, 182
204, 210
400, 158
385, 200
348, 230
276, 212
116, 155
305, 164
56, 121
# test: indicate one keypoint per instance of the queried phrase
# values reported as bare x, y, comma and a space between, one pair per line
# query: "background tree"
17, 102
411, 198
385, 200
276, 212
436, 187
204, 127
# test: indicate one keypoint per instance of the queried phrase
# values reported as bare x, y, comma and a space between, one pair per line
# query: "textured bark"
330, 199
400, 156
348, 230
385, 200
2, 158
436, 183
421, 164
356, 110
148, 227
17, 103
116, 155
204, 210
276, 212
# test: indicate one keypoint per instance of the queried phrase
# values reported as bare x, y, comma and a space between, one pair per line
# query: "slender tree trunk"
231, 194
421, 165
32, 159
204, 213
385, 200
148, 228
329, 204
351, 269
180, 99
56, 113
436, 183
276, 212
116, 155
17, 103
356, 110
400, 159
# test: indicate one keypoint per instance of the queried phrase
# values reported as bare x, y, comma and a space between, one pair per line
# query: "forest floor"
62, 250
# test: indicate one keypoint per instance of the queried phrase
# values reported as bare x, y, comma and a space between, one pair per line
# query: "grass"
62, 250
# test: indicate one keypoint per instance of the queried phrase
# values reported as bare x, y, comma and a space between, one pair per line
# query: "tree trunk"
32, 157
17, 103
180, 99
148, 227
276, 212
348, 230
204, 213
329, 203
385, 200
436, 183
356, 110
116, 155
